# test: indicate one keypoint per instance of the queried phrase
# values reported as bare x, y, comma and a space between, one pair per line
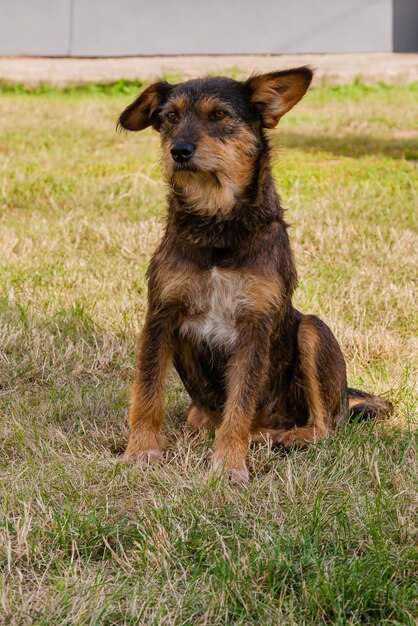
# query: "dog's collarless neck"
220, 235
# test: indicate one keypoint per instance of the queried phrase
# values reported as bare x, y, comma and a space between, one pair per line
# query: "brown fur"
222, 279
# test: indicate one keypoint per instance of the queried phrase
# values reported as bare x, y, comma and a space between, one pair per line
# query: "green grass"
325, 536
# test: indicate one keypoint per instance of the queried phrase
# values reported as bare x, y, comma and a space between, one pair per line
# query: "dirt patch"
332, 69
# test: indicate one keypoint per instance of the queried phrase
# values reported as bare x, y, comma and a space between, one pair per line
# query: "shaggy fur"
222, 279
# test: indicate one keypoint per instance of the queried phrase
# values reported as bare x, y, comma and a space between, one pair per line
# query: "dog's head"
212, 129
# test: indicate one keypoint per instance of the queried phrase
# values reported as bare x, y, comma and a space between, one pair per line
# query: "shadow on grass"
349, 145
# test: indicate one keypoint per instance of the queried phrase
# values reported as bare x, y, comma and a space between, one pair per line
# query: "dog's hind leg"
322, 378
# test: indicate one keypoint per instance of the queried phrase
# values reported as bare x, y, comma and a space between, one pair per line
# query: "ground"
332, 69
324, 536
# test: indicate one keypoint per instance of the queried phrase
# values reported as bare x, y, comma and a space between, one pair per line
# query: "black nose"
182, 151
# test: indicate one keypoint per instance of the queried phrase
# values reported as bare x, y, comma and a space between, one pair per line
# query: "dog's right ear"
144, 110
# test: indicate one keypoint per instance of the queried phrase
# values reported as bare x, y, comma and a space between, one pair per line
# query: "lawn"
324, 536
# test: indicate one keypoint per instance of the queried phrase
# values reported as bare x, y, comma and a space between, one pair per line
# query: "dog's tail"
367, 406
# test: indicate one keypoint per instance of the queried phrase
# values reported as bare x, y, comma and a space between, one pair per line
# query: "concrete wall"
38, 27
151, 27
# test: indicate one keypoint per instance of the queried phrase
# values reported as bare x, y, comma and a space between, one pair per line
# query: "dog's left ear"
144, 110
274, 94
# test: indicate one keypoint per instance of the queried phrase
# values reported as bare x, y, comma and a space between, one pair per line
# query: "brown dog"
221, 281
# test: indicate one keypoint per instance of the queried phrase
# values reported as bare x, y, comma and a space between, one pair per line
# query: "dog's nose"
182, 151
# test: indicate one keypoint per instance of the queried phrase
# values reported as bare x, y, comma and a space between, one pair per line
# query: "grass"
325, 536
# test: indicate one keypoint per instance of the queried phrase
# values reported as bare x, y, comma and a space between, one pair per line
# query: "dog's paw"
299, 437
234, 475
238, 477
144, 458
199, 418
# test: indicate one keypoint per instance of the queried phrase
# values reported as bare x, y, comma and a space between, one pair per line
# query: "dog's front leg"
146, 412
245, 377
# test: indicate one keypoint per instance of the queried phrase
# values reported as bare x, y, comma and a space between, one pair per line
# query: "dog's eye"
172, 116
218, 114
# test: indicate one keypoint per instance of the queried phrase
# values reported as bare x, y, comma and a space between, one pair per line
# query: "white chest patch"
214, 308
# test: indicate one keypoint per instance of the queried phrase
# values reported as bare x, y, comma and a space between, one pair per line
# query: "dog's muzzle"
182, 151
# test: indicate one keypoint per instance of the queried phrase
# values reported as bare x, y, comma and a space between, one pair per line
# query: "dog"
221, 281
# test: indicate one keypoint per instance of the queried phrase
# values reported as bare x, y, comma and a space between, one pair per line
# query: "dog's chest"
215, 302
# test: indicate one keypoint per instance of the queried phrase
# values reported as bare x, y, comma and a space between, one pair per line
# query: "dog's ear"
144, 110
274, 94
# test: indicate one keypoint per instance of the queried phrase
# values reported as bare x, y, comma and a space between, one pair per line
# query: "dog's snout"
182, 151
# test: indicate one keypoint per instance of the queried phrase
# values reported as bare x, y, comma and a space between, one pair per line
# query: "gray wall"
405, 25
38, 27
153, 27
